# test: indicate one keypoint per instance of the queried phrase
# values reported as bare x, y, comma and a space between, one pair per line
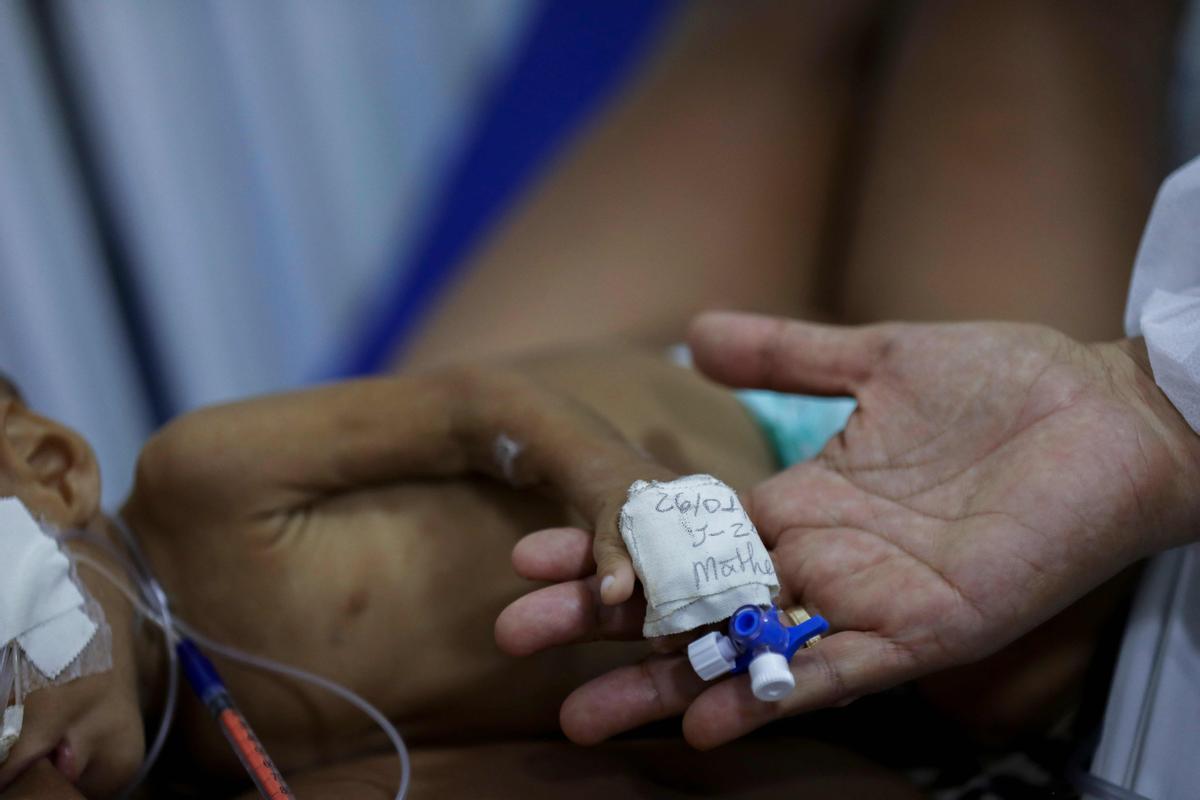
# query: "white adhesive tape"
44, 612
10, 730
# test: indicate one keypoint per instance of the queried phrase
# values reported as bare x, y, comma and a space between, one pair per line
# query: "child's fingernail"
604, 584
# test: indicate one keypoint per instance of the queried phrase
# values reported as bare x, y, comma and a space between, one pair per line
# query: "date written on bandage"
722, 515
695, 551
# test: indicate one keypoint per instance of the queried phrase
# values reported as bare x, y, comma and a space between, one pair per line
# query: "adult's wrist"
1174, 509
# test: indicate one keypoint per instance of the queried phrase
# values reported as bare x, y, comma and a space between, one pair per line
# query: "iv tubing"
160, 615
287, 670
258, 662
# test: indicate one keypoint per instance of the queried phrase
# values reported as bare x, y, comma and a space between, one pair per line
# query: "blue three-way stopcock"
758, 643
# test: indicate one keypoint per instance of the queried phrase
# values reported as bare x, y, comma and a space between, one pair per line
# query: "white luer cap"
770, 677
712, 655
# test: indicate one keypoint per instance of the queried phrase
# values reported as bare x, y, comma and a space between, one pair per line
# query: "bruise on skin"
353, 607
357, 603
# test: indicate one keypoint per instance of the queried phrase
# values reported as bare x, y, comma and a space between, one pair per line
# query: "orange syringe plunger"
252, 755
209, 687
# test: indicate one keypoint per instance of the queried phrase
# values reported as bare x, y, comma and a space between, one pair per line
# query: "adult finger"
565, 613
554, 554
753, 350
628, 697
841, 668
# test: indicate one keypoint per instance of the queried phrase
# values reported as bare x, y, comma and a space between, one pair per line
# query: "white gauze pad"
697, 554
40, 606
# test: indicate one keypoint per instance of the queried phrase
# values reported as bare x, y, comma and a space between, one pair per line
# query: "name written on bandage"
707, 570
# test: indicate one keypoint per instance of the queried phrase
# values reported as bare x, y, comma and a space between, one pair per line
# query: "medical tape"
47, 619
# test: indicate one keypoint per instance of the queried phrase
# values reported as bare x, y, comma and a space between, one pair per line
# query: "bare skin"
997, 161
991, 475
307, 528
711, 181
357, 561
725, 238
856, 162
1014, 150
227, 499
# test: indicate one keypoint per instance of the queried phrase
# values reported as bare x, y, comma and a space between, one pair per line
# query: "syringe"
208, 686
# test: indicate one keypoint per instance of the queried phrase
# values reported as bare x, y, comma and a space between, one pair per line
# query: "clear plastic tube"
350, 697
169, 705
160, 615
257, 662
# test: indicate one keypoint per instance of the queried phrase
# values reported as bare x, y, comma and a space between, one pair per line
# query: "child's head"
49, 467
90, 728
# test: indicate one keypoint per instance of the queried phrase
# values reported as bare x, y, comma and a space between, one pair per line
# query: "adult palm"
991, 474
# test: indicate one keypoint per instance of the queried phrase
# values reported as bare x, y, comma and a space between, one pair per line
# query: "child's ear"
52, 469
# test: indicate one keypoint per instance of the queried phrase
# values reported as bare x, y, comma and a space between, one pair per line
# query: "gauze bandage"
697, 554
51, 632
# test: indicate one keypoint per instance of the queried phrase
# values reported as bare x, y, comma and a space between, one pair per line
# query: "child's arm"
553, 423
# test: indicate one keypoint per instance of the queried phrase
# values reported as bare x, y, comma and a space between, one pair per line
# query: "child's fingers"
565, 554
628, 697
613, 567
565, 613
554, 554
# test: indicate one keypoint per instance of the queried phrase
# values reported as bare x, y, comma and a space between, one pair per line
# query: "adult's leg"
707, 184
1015, 154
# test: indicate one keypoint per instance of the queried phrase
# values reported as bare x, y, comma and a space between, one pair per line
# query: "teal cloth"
797, 425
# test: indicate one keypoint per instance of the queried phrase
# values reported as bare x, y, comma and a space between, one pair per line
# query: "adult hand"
991, 474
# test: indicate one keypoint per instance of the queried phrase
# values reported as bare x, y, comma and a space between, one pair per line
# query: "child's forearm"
572, 419
680, 418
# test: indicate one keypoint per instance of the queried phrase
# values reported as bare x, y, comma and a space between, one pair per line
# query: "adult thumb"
761, 352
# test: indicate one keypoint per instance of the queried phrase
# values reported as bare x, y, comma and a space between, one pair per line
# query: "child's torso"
391, 592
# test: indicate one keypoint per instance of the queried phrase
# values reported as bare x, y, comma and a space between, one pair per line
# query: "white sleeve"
1164, 298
